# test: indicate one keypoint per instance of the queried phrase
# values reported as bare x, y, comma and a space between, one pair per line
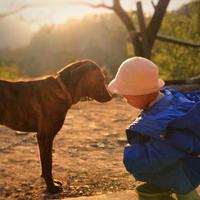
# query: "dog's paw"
56, 188
57, 182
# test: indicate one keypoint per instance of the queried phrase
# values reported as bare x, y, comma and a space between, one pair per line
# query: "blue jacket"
165, 143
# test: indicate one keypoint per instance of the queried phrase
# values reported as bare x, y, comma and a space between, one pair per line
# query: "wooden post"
145, 42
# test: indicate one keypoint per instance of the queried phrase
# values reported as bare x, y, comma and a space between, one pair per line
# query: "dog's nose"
105, 98
109, 97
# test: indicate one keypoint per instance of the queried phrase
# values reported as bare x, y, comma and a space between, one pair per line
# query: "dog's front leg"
45, 141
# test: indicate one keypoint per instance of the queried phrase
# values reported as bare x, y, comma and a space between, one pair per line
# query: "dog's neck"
65, 90
71, 76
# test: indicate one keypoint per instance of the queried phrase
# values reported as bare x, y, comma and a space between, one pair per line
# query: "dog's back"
22, 101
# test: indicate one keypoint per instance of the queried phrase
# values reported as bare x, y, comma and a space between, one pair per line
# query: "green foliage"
9, 70
178, 62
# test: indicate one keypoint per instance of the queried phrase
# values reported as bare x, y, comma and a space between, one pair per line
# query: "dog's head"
85, 79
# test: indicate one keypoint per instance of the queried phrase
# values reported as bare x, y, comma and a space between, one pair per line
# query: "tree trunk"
156, 21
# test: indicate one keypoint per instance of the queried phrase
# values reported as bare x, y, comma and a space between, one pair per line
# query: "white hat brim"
114, 88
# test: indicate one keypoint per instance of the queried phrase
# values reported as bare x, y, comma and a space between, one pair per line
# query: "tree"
143, 39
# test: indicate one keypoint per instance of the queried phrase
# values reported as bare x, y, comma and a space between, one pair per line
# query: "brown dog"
41, 105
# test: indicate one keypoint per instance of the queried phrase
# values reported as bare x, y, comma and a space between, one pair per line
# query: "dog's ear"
65, 73
79, 72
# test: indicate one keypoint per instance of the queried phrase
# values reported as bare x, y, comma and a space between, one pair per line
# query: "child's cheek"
131, 103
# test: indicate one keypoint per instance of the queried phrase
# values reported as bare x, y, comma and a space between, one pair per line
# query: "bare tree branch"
122, 14
142, 26
124, 17
177, 41
11, 12
156, 20
153, 4
116, 7
100, 5
19, 9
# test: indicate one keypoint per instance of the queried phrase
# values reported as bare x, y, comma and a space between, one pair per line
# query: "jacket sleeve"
134, 137
153, 156
185, 141
193, 96
189, 122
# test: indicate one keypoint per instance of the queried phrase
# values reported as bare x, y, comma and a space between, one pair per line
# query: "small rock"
121, 140
21, 133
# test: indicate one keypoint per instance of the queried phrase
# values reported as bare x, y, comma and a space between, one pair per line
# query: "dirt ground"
87, 154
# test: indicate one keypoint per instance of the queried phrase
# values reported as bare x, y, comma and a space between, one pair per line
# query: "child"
164, 140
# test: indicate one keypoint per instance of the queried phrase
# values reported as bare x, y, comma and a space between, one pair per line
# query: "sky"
24, 23
58, 11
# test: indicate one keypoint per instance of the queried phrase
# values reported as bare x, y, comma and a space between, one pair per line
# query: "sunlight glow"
58, 11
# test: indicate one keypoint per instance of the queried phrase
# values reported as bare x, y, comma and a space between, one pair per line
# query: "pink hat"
136, 76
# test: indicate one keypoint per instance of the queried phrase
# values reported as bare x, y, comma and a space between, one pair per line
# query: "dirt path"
87, 156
